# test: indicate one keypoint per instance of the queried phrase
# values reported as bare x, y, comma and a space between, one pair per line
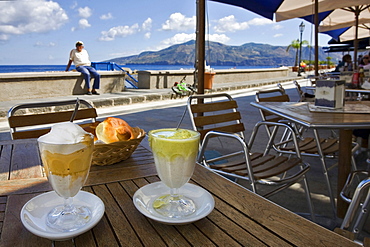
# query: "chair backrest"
271, 95
26, 121
299, 91
281, 87
217, 112
358, 209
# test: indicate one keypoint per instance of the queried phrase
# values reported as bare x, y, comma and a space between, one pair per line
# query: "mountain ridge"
218, 54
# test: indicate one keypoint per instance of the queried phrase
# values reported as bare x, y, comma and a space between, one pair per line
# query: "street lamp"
301, 29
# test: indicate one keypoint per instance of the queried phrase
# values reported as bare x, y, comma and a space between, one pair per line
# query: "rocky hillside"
249, 54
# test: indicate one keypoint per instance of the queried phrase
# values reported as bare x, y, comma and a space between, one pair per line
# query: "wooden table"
240, 217
299, 113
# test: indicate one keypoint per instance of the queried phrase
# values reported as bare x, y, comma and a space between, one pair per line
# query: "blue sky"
44, 32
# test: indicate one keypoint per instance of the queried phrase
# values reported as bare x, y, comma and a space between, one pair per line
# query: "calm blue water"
43, 68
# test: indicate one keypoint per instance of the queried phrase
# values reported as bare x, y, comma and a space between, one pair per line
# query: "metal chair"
359, 202
32, 120
218, 120
309, 146
303, 96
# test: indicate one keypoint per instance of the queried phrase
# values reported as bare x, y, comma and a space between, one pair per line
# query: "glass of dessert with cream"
175, 152
66, 153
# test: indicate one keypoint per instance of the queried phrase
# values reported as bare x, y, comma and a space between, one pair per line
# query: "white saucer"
33, 214
144, 197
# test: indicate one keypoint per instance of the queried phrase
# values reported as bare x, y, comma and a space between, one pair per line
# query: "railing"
110, 66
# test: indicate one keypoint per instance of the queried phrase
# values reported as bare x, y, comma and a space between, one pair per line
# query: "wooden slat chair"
308, 146
25, 125
216, 115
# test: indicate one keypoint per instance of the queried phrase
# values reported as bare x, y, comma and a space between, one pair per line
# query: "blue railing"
111, 66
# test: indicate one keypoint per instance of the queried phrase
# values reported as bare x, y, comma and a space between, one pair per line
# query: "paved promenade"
133, 96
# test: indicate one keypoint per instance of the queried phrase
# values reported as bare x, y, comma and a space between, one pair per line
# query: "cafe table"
239, 218
299, 113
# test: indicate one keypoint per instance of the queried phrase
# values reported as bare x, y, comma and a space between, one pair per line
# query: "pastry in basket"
115, 130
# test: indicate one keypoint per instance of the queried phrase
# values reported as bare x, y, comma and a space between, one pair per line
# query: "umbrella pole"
316, 37
355, 43
200, 45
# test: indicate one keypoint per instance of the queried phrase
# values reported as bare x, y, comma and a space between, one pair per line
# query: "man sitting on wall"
80, 59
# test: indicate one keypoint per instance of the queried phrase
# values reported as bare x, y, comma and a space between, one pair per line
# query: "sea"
43, 68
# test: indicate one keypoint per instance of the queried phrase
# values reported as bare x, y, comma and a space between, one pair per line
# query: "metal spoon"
76, 109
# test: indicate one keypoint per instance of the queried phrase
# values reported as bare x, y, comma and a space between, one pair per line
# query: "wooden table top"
299, 112
240, 217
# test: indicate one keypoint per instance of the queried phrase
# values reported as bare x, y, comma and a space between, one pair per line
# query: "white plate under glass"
33, 214
144, 197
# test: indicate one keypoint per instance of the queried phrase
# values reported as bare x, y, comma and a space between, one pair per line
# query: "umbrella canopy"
346, 46
345, 17
349, 33
351, 17
289, 9
361, 42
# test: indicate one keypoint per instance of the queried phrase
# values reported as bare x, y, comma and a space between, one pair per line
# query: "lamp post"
301, 29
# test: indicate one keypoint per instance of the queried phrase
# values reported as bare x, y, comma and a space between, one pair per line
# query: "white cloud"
84, 12
278, 35
41, 44
178, 39
184, 37
83, 23
260, 22
229, 24
221, 38
119, 31
16, 17
179, 22
106, 16
147, 24
277, 27
74, 5
123, 31
147, 35
4, 37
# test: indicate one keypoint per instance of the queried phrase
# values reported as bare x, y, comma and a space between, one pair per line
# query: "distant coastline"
133, 67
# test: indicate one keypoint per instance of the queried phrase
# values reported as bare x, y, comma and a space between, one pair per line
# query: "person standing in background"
81, 60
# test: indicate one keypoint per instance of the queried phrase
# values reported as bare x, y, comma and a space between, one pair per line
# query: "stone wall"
31, 85
154, 79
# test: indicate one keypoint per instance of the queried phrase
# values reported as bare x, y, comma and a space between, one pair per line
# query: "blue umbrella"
338, 46
265, 8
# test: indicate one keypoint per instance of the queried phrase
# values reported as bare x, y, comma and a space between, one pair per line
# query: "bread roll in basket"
116, 141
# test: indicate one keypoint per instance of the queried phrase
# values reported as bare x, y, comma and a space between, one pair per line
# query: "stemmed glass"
67, 167
175, 152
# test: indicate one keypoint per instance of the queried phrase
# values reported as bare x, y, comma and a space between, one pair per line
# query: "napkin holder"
330, 93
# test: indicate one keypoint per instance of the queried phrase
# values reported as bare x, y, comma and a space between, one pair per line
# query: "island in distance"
249, 54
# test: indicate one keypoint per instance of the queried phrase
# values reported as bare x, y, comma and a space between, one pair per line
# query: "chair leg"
325, 172
353, 161
309, 200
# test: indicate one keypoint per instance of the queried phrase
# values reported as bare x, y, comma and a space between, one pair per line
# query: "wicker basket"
108, 154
